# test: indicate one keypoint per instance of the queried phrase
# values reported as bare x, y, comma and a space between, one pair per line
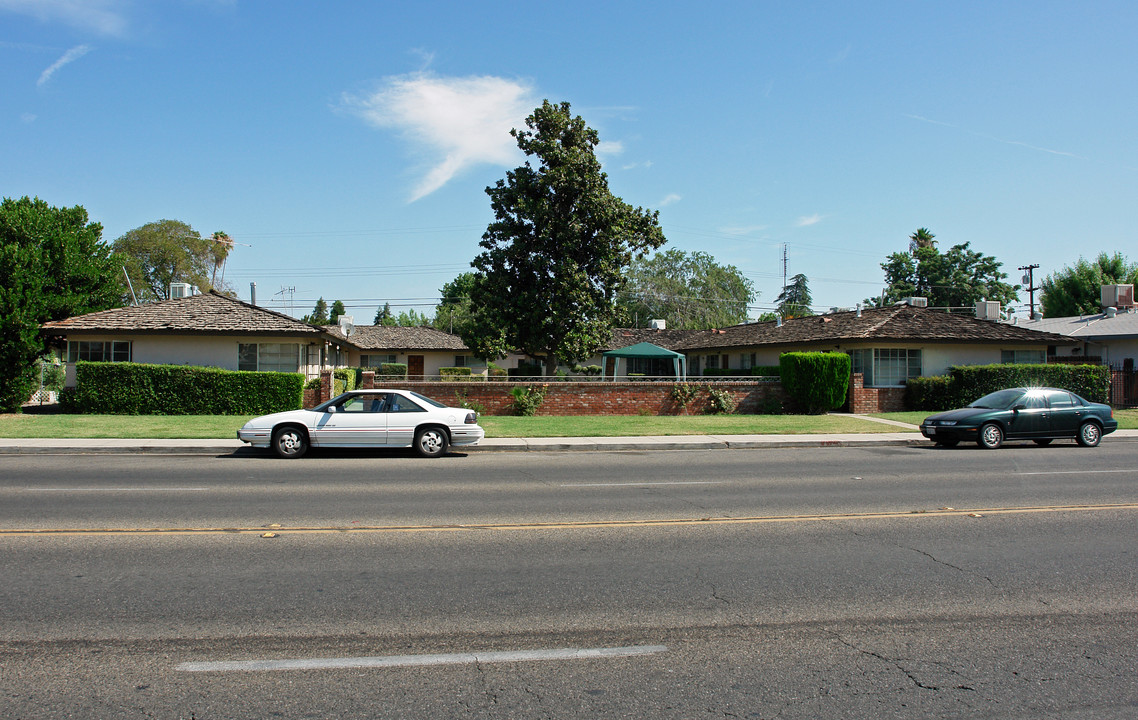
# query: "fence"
1124, 388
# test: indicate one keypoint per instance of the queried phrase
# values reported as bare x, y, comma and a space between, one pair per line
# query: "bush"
719, 402
345, 380
455, 373
683, 393
966, 383
393, 370
138, 389
765, 370
527, 399
816, 381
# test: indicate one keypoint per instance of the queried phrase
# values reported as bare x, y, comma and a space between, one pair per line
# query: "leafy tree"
319, 315
170, 251
957, 278
411, 318
383, 316
690, 292
554, 257
53, 264
922, 238
453, 312
1076, 290
794, 300
337, 310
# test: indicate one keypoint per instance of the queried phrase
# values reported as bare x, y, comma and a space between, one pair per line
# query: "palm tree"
922, 238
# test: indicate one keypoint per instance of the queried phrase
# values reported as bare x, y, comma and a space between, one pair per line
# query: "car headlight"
947, 422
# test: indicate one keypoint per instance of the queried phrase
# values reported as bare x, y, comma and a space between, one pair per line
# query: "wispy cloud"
637, 165
670, 199
70, 56
808, 220
993, 138
742, 229
104, 17
609, 148
456, 123
27, 118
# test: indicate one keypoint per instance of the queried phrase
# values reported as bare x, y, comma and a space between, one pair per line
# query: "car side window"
400, 404
1061, 400
1033, 401
363, 404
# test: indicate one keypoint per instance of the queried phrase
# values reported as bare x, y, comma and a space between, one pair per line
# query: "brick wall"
872, 400
599, 398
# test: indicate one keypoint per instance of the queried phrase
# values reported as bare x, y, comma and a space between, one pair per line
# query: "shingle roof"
900, 323
1089, 327
670, 339
208, 313
381, 337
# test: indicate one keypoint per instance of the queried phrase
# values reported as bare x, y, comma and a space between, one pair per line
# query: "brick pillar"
367, 382
326, 385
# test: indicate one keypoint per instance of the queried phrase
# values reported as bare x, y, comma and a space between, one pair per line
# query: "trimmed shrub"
138, 389
455, 373
393, 370
345, 380
966, 383
816, 381
765, 370
527, 399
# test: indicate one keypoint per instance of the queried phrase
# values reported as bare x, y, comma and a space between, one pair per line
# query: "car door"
359, 421
403, 417
1067, 412
1031, 417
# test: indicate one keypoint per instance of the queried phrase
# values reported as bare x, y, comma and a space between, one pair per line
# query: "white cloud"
608, 148
28, 118
105, 17
808, 220
670, 199
457, 122
636, 165
70, 56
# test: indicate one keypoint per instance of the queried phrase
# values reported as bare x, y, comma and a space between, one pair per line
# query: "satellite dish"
347, 325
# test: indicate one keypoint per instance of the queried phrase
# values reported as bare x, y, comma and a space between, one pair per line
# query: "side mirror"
1019, 407
331, 409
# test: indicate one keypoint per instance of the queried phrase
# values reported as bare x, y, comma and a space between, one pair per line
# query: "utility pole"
1029, 280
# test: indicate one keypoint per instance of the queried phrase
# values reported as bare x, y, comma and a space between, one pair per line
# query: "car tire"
290, 442
431, 442
1042, 441
1090, 434
948, 442
991, 436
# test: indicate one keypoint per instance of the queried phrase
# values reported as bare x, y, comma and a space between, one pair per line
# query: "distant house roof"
900, 323
378, 338
644, 350
1088, 327
209, 313
670, 339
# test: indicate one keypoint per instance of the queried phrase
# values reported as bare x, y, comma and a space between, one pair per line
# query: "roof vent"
1111, 312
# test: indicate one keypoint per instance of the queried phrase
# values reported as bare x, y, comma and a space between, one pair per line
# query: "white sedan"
366, 418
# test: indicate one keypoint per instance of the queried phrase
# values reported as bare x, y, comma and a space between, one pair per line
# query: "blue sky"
346, 145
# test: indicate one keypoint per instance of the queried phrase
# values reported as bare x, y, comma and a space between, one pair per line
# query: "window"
98, 350
375, 360
712, 362
269, 357
886, 367
463, 361
1029, 357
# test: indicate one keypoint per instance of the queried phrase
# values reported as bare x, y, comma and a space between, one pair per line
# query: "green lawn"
225, 426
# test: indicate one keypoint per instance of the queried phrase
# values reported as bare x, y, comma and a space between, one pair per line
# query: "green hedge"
766, 370
138, 389
455, 373
393, 370
966, 383
817, 382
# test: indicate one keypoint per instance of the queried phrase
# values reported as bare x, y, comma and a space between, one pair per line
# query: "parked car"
1039, 414
366, 418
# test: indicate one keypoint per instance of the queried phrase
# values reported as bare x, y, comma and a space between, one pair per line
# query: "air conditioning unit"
181, 290
914, 302
1117, 296
988, 310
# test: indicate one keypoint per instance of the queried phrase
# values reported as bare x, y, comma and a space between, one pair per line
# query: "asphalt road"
875, 583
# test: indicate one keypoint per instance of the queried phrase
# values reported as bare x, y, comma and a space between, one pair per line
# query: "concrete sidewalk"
68, 446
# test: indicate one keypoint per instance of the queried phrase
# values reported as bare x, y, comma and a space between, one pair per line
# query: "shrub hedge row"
138, 389
964, 384
815, 381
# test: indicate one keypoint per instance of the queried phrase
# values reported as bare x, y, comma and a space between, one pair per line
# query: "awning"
648, 350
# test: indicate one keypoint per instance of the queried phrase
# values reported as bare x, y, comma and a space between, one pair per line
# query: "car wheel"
990, 437
431, 442
1042, 441
290, 442
1089, 434
948, 442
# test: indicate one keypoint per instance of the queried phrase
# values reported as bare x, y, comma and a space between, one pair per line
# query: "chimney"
252, 293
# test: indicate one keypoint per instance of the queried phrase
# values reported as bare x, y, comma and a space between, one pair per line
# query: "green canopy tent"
649, 351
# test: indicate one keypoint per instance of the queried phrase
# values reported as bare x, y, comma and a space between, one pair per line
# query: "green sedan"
1038, 414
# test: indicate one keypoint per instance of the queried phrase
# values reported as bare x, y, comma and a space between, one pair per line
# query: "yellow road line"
278, 530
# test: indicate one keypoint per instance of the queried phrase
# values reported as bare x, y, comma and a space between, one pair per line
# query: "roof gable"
208, 313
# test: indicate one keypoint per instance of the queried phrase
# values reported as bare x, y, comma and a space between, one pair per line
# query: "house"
1110, 337
423, 350
210, 329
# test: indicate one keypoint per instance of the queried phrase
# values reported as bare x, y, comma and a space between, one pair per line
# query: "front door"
415, 366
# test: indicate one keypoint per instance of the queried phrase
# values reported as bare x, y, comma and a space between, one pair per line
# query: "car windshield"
999, 400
